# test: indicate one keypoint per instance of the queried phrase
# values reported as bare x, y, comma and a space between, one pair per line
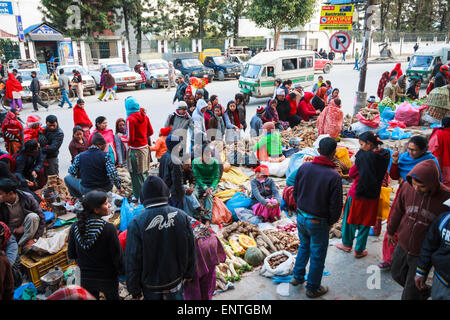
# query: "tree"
200, 11
278, 14
96, 16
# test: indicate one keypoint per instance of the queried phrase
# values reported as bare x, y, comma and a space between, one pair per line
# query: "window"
289, 64
251, 71
263, 73
448, 55
302, 63
309, 62
271, 71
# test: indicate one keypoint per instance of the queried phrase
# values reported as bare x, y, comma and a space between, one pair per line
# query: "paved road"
159, 102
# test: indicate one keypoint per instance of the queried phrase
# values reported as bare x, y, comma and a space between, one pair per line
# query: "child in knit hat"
160, 145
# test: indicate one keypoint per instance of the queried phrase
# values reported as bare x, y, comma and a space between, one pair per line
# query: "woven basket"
439, 97
437, 113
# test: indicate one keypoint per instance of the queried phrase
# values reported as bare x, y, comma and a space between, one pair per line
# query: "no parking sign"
340, 41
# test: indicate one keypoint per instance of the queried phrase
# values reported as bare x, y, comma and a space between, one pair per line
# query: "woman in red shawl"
81, 119
33, 128
101, 126
330, 119
383, 82
398, 68
305, 109
12, 132
439, 145
13, 86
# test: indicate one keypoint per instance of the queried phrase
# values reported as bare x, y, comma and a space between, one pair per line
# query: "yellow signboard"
336, 17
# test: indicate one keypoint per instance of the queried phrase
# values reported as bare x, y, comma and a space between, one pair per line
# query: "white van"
424, 60
259, 74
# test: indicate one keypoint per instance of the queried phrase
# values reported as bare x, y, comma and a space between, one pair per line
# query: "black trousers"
110, 288
36, 101
403, 270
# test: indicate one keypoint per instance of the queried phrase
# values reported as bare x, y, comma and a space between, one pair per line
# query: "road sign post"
361, 94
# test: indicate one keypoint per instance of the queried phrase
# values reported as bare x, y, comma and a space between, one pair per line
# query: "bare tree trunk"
139, 35
127, 31
236, 26
277, 37
399, 15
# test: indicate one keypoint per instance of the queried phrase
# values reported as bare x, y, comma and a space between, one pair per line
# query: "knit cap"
260, 110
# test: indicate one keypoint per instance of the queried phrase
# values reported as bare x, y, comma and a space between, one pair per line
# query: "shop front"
48, 46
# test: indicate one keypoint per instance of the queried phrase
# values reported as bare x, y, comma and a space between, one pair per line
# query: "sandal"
360, 254
343, 247
384, 265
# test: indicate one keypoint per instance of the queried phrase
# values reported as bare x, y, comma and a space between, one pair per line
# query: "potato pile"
336, 230
283, 240
369, 114
307, 136
125, 179
277, 260
240, 227
59, 186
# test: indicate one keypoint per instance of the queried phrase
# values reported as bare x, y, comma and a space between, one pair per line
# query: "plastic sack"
383, 204
247, 215
395, 124
239, 200
277, 169
220, 213
25, 292
283, 269
127, 212
409, 115
235, 176
360, 128
344, 156
399, 134
49, 216
388, 114
52, 244
226, 194
374, 123
296, 160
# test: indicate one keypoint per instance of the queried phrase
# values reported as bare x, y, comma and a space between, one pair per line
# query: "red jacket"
139, 130
305, 108
439, 145
293, 105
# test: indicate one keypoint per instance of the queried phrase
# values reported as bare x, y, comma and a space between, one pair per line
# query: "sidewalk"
372, 60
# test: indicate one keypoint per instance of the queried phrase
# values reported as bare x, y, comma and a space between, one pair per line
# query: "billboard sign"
336, 17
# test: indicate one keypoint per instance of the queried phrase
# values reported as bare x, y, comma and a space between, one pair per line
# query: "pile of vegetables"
369, 114
336, 230
387, 102
230, 270
282, 240
275, 261
291, 227
125, 180
305, 131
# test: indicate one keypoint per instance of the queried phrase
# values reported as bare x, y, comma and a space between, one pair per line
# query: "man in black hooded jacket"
168, 260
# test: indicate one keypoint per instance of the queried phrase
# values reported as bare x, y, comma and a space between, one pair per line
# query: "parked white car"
156, 71
88, 80
125, 77
26, 81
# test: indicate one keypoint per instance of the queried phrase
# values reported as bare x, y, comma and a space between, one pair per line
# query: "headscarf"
406, 163
322, 94
382, 84
401, 83
6, 235
263, 169
398, 68
117, 125
11, 120
131, 105
12, 84
271, 114
80, 117
268, 126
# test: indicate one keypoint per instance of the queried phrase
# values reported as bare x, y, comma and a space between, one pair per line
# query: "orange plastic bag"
383, 204
220, 213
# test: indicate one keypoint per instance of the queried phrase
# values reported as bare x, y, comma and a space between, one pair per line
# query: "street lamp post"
361, 95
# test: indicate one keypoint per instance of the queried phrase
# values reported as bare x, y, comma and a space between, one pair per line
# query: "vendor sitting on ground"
207, 174
256, 122
268, 147
95, 169
265, 193
29, 165
21, 213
